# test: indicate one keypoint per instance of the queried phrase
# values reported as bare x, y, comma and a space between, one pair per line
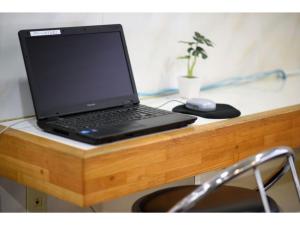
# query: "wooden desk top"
113, 170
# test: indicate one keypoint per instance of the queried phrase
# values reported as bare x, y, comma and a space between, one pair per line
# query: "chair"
217, 197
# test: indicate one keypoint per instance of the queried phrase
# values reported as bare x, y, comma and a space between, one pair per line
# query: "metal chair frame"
240, 168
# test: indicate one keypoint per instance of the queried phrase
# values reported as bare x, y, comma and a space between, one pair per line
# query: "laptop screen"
78, 72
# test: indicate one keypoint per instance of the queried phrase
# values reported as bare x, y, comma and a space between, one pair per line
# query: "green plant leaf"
189, 50
199, 49
209, 43
204, 55
197, 34
187, 42
194, 50
199, 40
184, 57
196, 53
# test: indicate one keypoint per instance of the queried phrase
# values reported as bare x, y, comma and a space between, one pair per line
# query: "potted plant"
189, 85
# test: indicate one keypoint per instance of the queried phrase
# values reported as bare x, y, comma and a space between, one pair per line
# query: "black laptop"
83, 88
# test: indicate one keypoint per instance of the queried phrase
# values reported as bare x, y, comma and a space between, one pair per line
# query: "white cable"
173, 100
93, 209
13, 124
293, 72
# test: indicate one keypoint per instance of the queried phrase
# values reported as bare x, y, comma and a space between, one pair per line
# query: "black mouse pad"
222, 111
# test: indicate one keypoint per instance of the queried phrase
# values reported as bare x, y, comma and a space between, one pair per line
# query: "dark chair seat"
223, 199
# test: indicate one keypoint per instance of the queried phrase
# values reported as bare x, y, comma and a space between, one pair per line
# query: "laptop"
82, 85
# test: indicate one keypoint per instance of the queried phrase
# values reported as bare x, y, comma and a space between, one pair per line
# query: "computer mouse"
200, 104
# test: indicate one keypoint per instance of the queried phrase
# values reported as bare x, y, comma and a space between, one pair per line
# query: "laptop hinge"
129, 103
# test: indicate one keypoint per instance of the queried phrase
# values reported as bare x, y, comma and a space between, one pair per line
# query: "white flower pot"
189, 87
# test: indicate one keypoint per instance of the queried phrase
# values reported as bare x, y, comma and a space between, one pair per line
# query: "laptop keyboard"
108, 117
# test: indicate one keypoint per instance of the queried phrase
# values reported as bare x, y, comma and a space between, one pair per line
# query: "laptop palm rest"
120, 128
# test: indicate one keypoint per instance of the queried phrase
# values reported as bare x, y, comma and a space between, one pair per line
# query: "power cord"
16, 118
167, 102
13, 124
93, 209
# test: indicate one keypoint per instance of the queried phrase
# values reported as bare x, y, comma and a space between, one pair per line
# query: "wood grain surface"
113, 170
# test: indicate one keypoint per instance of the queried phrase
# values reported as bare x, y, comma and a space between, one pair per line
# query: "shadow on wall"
25, 96
12, 196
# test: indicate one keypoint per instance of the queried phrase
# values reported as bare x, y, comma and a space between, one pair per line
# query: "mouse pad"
222, 111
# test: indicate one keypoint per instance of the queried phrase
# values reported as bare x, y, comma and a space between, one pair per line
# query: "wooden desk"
114, 170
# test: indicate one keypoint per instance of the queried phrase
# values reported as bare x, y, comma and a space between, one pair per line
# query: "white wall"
13, 199
245, 43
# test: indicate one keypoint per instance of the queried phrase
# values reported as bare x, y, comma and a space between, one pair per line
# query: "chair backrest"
241, 167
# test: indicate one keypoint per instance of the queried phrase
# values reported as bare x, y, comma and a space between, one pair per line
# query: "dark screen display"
79, 69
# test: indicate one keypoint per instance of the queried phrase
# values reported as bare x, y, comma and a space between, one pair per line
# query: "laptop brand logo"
90, 104
44, 33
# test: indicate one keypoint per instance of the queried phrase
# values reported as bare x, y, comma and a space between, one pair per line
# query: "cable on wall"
234, 81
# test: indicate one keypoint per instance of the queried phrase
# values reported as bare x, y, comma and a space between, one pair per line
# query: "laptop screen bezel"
86, 107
